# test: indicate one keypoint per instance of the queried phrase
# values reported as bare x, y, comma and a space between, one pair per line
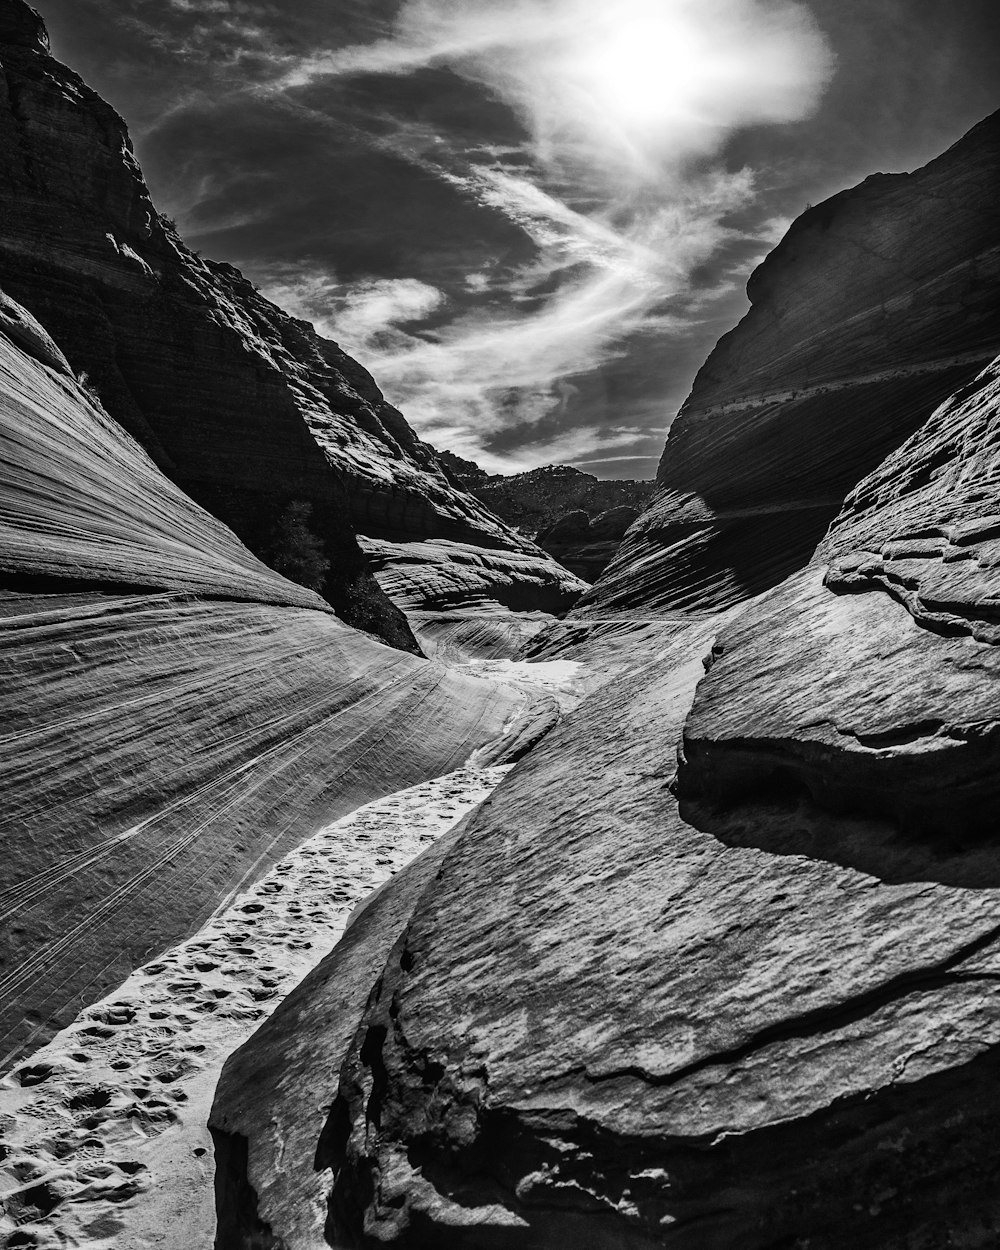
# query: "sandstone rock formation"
875, 307
176, 715
717, 965
902, 603
759, 1012
244, 407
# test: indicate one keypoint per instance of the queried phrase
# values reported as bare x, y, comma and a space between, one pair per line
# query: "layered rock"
176, 715
875, 307
869, 683
244, 407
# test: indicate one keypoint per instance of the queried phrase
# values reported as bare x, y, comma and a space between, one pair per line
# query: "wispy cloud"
625, 107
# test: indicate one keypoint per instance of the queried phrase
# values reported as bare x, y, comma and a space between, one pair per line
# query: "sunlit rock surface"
244, 407
443, 575
491, 635
875, 307
175, 714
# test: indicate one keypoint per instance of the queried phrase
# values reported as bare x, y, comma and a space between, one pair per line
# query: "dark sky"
531, 219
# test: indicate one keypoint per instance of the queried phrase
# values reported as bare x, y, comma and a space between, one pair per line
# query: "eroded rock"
744, 995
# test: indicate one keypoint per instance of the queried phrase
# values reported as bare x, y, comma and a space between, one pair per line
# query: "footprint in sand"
86, 1124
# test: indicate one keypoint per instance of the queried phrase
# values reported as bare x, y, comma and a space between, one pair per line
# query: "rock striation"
247, 409
876, 306
176, 715
717, 966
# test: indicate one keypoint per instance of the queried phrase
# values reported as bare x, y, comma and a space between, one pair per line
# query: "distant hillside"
572, 515
536, 500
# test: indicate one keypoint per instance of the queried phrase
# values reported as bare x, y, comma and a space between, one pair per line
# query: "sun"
645, 68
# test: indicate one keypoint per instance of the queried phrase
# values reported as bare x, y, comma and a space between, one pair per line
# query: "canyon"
507, 910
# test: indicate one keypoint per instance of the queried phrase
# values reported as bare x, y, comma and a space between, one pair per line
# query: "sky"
531, 220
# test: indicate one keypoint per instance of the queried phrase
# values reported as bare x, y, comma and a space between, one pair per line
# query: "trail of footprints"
77, 1118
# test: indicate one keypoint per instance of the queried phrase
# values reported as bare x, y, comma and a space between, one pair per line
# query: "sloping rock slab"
442, 575
82, 502
605, 1025
925, 526
884, 704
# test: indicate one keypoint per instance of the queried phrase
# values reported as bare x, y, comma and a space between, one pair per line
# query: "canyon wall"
716, 966
747, 998
874, 308
244, 407
176, 715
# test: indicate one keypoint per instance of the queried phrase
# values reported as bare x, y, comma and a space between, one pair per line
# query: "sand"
103, 1138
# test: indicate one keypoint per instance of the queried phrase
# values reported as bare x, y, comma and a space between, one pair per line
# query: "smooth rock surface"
244, 407
446, 576
876, 306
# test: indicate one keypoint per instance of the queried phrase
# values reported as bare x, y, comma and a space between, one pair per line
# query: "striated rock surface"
175, 714
244, 407
875, 307
446, 576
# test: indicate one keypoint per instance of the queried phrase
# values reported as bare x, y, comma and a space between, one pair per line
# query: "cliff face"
876, 306
744, 902
245, 408
175, 714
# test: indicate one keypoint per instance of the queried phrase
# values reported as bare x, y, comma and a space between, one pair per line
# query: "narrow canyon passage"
104, 1129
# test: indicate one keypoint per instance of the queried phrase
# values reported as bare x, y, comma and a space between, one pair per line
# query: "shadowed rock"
876, 306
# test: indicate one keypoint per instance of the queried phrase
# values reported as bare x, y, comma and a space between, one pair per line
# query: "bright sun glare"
648, 78
644, 69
